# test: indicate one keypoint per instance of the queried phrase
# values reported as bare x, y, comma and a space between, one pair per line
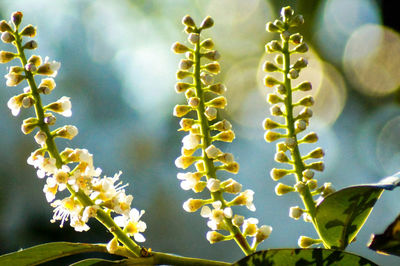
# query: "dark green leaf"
298, 256
47, 252
100, 262
389, 241
341, 215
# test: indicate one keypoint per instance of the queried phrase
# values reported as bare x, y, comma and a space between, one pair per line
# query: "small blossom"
192, 205
281, 189
49, 68
61, 106
112, 246
245, 198
213, 184
132, 224
185, 161
238, 220
213, 152
211, 113
223, 125
14, 79
305, 242
67, 132
295, 212
15, 104
263, 233
250, 227
191, 141
214, 237
40, 138
6, 57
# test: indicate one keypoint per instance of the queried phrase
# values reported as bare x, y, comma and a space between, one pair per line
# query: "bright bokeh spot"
372, 60
388, 147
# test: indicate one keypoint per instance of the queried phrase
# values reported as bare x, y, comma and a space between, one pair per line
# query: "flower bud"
281, 157
281, 146
300, 187
231, 186
308, 174
67, 132
50, 119
200, 166
208, 22
296, 21
270, 67
318, 166
273, 46
213, 184
212, 152
306, 101
282, 189
277, 174
305, 242
184, 162
271, 81
270, 124
30, 67
276, 110
301, 48
214, 237
295, 212
181, 110
36, 60
213, 68
29, 31
218, 102
206, 79
28, 102
300, 63
49, 68
29, 125
263, 233
40, 137
31, 45
193, 38
223, 125
207, 44
5, 27
312, 184
238, 220
185, 64
6, 57
300, 125
179, 48
296, 38
16, 18
61, 106
287, 13
187, 152
279, 59
279, 23
217, 88
306, 113
290, 143
304, 86
226, 158
274, 99
211, 113
270, 27
316, 154
16, 70
192, 205
293, 74
14, 79
189, 55
190, 93
227, 136
309, 138
249, 229
212, 55
112, 246
328, 189
189, 30
181, 74
194, 102
188, 21
231, 167
271, 136
7, 37
181, 87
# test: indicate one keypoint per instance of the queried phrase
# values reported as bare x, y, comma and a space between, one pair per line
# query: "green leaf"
47, 252
389, 241
298, 256
100, 262
341, 215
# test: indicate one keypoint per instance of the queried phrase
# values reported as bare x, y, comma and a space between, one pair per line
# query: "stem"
51, 147
299, 167
208, 163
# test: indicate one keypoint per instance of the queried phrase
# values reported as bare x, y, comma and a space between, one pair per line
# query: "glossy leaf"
389, 241
341, 215
298, 256
47, 252
100, 262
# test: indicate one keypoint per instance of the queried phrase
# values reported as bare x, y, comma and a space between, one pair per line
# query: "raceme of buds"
204, 97
283, 105
105, 195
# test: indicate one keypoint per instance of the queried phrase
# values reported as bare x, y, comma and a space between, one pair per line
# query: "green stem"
208, 163
299, 167
51, 147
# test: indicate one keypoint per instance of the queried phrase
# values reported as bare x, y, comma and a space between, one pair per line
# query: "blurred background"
119, 71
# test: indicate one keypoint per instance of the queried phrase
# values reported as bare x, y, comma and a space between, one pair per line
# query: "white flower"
191, 141
213, 184
40, 137
132, 224
66, 208
245, 198
49, 68
15, 104
250, 226
13, 79
212, 152
189, 180
192, 205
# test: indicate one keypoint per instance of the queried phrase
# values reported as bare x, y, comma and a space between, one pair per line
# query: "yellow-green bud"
192, 205
200, 166
186, 124
327, 189
300, 187
7, 37
301, 48
281, 89
28, 125
189, 30
305, 242
193, 38
223, 125
212, 55
181, 87
211, 113
31, 45
189, 55
185, 64
213, 68
36, 60
285, 35
4, 26
295, 212
318, 166
296, 38
217, 88
293, 74
226, 136
274, 99
270, 27
16, 18
316, 154
179, 48
287, 12
296, 21
306, 113
271, 136
181, 110
208, 22
231, 167
300, 125
276, 110
281, 147
270, 124
282, 189
214, 237
190, 93
300, 63
277, 174
194, 102
184, 162
306, 101
304, 86
270, 67
6, 57
273, 46
308, 174
279, 23
290, 143
281, 157
207, 44
218, 102
271, 81
309, 138
29, 31
183, 74
312, 184
279, 59
188, 21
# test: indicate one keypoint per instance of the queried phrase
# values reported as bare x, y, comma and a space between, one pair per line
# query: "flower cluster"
72, 169
287, 151
202, 133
